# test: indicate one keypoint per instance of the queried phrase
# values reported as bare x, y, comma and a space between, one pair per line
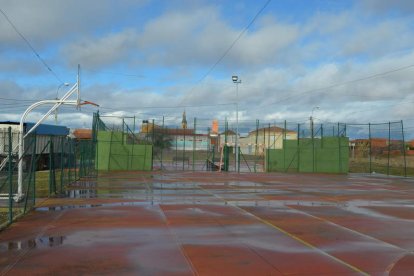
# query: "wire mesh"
49, 163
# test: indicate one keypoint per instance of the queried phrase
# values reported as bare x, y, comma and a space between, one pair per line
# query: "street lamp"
57, 97
237, 82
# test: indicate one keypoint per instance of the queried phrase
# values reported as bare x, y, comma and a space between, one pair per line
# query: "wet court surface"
187, 223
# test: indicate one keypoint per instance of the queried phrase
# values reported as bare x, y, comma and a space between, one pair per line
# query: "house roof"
176, 131
228, 132
82, 133
271, 129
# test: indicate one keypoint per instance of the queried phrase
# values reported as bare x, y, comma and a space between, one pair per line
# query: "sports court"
211, 223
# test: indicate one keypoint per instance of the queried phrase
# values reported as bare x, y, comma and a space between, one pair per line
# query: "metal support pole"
194, 142
51, 168
153, 145
389, 148
61, 163
75, 147
284, 145
237, 126
184, 149
256, 145
176, 148
10, 173
162, 139
404, 151
313, 147
34, 169
298, 148
370, 148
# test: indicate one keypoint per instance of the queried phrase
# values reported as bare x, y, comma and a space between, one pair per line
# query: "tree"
160, 140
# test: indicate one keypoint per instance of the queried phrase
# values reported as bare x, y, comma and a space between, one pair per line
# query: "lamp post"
237, 82
57, 97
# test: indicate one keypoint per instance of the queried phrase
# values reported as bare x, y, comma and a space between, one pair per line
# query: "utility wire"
323, 89
114, 73
166, 107
231, 45
16, 100
31, 47
235, 41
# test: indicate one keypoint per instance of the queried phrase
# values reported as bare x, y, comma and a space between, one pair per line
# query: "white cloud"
100, 52
385, 6
282, 64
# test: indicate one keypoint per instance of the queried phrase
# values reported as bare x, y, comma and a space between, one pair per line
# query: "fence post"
321, 135
176, 148
298, 148
194, 141
95, 132
153, 145
51, 169
370, 148
284, 145
313, 147
10, 172
123, 122
162, 140
256, 145
75, 147
404, 152
389, 147
61, 164
339, 153
34, 169
225, 147
70, 161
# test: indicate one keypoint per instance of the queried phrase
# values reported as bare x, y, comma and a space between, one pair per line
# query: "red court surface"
131, 223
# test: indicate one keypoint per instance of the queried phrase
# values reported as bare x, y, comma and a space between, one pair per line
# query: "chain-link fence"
179, 143
49, 163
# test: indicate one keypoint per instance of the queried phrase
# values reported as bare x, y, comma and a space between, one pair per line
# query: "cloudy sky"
143, 58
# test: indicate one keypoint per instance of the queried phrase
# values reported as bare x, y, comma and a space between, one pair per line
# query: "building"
375, 146
229, 137
42, 135
186, 139
263, 138
82, 134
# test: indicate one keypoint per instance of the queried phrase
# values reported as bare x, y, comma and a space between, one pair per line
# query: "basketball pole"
56, 103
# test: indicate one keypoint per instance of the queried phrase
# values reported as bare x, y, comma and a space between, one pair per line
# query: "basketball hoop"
88, 102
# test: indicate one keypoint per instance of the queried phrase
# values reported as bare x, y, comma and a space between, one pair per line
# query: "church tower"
184, 121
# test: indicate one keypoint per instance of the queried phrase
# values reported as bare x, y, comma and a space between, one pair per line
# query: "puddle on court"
41, 242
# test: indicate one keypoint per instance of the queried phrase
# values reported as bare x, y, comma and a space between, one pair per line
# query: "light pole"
237, 82
57, 97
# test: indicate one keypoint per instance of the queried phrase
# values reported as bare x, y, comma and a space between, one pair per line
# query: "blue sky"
140, 54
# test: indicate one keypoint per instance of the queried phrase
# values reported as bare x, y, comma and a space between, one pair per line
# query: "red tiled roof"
82, 133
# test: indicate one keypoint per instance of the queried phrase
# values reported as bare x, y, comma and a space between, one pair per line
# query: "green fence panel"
114, 154
326, 155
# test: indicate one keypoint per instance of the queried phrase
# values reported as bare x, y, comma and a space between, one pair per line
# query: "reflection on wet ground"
219, 223
40, 242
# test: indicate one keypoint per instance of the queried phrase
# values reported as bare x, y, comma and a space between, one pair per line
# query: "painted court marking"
352, 267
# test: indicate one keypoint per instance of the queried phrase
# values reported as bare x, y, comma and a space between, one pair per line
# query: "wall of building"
178, 142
